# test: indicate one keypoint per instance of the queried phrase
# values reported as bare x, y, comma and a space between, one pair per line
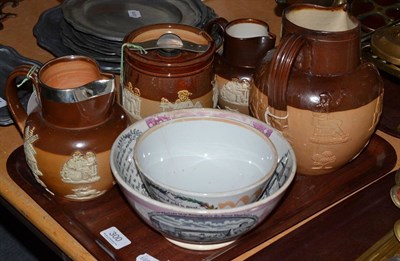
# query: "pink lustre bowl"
199, 229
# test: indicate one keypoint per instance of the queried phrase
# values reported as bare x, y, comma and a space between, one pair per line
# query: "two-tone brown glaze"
317, 90
245, 43
161, 80
68, 136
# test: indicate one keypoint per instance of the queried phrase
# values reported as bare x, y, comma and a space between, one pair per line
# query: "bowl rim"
199, 211
263, 180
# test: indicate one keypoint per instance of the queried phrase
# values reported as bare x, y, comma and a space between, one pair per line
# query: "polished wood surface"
17, 32
5, 15
345, 231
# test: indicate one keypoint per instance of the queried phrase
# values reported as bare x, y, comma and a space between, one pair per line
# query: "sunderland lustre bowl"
199, 229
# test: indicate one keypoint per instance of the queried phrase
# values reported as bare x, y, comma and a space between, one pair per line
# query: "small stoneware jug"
245, 42
318, 90
167, 67
69, 134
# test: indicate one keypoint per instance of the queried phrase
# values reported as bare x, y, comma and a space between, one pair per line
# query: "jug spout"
95, 89
75, 84
73, 79
88, 91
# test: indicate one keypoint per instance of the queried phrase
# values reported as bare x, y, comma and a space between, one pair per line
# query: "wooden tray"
345, 231
307, 195
390, 118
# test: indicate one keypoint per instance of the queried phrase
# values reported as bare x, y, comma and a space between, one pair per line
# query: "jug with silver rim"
69, 134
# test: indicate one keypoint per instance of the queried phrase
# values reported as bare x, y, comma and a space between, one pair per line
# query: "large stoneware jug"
69, 134
245, 42
317, 89
167, 67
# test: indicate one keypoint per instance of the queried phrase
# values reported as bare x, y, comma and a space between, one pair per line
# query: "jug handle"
220, 23
278, 78
14, 105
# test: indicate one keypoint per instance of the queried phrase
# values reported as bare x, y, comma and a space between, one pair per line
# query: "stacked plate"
96, 28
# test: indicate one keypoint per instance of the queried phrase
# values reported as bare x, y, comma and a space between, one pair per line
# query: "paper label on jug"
134, 13
3, 103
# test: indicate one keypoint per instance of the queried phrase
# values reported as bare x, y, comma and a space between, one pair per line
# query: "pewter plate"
48, 36
9, 60
113, 19
83, 50
48, 32
88, 41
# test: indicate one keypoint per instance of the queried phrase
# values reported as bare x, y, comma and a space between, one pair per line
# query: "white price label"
134, 13
3, 103
146, 257
115, 237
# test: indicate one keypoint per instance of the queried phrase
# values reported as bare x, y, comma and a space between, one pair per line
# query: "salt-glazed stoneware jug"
68, 136
245, 42
317, 89
167, 67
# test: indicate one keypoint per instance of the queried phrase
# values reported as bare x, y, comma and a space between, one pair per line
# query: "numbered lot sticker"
115, 237
146, 257
134, 14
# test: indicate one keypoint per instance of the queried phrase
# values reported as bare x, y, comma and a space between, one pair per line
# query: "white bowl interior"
247, 30
194, 222
205, 155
